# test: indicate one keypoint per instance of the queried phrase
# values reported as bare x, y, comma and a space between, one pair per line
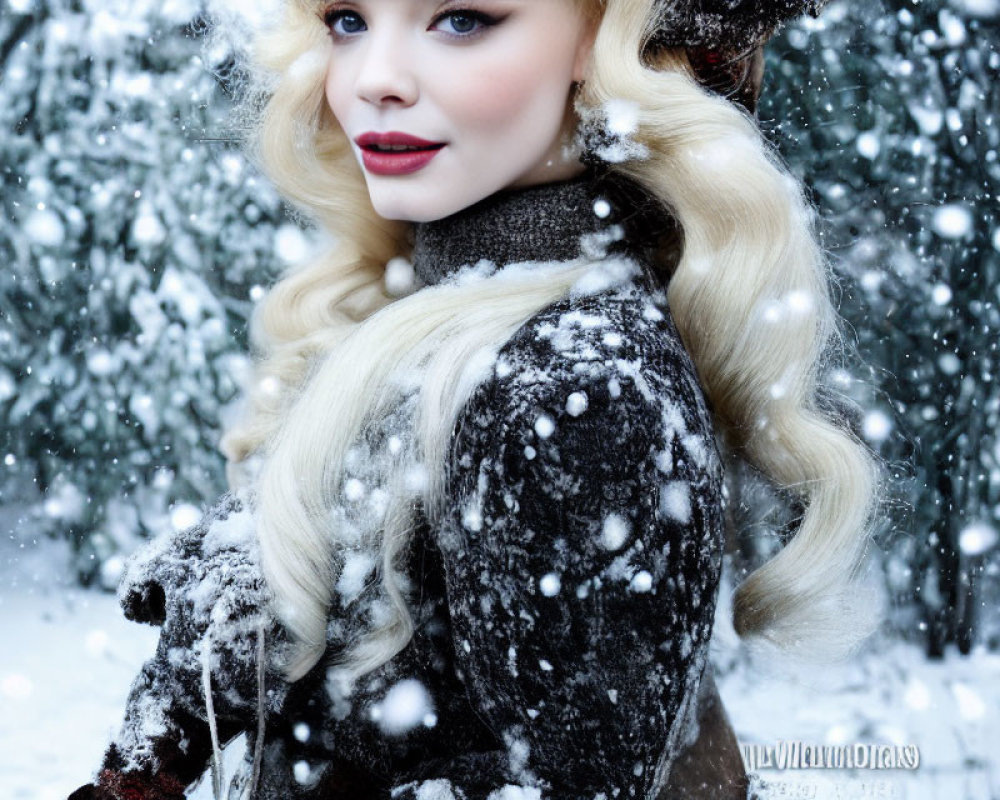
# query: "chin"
404, 212
421, 207
426, 197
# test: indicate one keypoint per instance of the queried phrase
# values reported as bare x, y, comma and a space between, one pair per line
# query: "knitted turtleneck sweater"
564, 600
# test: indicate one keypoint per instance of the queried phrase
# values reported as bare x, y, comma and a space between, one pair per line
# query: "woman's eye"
459, 24
465, 23
343, 23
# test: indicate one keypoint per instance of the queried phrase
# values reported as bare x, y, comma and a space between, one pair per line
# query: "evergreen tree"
133, 239
888, 111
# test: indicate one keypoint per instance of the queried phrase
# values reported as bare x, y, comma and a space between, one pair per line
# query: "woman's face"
481, 86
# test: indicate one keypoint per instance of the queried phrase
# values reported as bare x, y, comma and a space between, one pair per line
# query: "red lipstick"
381, 161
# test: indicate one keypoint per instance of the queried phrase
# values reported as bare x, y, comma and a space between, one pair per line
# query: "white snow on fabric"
695, 447
236, 530
472, 518
596, 246
622, 116
614, 532
642, 582
550, 584
576, 403
665, 462
438, 789
652, 313
617, 120
518, 752
675, 501
184, 515
301, 772
566, 336
405, 706
633, 369
512, 792
605, 274
354, 574
544, 426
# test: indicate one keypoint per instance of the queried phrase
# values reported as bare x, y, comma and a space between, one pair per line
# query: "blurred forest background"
135, 239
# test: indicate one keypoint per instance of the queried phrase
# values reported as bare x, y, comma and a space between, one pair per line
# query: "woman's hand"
207, 680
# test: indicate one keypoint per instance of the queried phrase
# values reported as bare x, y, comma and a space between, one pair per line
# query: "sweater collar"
588, 215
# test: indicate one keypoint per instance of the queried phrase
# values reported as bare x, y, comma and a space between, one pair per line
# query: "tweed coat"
563, 603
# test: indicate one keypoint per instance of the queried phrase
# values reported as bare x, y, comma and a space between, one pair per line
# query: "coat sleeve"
582, 556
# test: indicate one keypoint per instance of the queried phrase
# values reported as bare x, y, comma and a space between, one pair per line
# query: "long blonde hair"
336, 353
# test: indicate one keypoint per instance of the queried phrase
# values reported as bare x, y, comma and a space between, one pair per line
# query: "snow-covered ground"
68, 657
891, 694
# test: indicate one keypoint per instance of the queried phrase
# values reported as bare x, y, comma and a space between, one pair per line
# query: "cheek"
502, 94
494, 101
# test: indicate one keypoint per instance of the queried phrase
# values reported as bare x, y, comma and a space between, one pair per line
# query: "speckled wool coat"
564, 602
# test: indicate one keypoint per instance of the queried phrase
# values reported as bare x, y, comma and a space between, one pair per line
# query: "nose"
387, 74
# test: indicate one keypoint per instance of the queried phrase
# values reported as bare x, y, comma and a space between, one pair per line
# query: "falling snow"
137, 242
952, 221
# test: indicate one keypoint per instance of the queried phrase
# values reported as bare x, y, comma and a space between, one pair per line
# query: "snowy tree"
134, 237
888, 110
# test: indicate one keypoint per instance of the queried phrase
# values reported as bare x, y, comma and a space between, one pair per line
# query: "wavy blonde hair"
750, 296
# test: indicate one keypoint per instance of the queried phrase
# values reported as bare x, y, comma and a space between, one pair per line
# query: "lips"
394, 138
395, 153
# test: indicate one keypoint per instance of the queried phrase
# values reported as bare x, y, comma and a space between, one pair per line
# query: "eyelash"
485, 21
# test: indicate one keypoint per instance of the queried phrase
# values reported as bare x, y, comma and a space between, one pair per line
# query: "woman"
480, 471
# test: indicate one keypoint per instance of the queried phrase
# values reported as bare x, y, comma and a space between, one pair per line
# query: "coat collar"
589, 215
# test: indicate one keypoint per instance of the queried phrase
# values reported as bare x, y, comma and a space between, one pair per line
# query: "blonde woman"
475, 537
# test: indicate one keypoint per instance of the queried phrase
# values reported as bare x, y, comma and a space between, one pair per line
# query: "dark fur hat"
736, 27
724, 39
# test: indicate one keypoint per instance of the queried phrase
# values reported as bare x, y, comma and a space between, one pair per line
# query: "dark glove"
134, 786
204, 587
88, 792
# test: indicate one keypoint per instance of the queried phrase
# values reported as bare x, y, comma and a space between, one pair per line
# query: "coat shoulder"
610, 367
